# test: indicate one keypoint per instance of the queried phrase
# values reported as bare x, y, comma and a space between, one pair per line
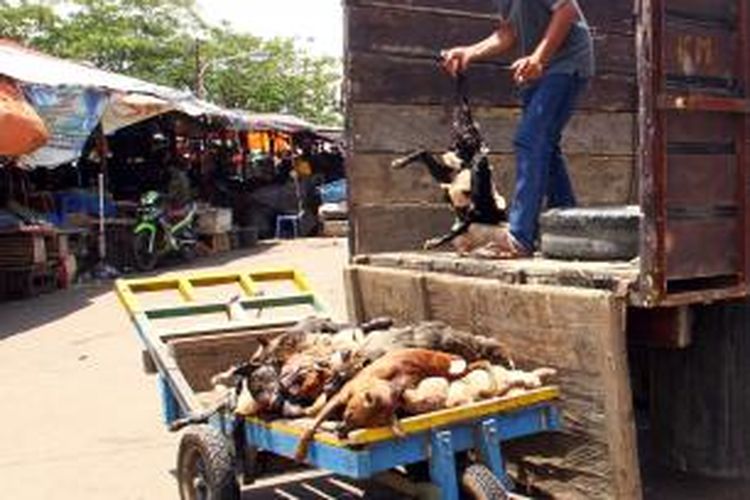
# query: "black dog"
464, 172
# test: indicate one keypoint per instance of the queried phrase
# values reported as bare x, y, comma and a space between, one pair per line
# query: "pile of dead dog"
369, 376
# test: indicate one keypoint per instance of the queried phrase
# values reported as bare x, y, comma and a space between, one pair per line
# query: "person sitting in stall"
179, 192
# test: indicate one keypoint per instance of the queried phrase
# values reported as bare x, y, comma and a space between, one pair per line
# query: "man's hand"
457, 60
527, 69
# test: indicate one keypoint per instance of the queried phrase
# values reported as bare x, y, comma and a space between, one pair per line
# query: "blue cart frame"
436, 438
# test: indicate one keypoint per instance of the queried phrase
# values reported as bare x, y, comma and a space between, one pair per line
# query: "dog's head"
371, 407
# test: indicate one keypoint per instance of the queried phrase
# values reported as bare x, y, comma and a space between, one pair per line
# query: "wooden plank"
716, 10
614, 16
701, 128
186, 290
579, 332
702, 248
487, 7
618, 403
398, 226
354, 310
201, 358
598, 180
610, 276
400, 129
425, 32
660, 328
396, 79
377, 292
417, 32
700, 401
701, 181
19, 249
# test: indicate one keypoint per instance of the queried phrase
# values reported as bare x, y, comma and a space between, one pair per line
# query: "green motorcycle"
155, 236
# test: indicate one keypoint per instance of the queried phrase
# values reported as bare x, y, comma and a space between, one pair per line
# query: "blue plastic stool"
288, 220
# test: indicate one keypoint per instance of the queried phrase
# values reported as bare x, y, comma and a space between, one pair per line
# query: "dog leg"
396, 427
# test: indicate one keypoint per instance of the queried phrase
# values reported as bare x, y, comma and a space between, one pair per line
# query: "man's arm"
500, 41
532, 67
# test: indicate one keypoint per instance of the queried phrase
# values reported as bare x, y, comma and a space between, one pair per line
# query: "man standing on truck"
557, 60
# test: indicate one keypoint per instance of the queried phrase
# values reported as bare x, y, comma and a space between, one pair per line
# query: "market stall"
86, 144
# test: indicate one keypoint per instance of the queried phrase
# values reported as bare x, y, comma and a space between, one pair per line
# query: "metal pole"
199, 71
101, 145
102, 235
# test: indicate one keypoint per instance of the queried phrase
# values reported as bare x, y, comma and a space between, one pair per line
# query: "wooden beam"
661, 328
186, 290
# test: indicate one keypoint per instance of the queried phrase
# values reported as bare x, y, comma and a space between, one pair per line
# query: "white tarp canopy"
62, 89
29, 66
32, 67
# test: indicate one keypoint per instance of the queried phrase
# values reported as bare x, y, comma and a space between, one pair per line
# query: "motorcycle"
156, 236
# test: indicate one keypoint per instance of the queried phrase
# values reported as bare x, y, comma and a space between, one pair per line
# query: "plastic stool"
288, 220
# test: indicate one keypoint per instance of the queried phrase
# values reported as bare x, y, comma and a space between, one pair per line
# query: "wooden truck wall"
663, 125
399, 99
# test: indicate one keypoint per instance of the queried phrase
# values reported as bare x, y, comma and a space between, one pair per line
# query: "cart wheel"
205, 468
481, 483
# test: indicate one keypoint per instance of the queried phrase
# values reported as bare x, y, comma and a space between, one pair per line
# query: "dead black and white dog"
465, 174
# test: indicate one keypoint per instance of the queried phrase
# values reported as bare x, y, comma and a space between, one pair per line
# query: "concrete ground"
80, 420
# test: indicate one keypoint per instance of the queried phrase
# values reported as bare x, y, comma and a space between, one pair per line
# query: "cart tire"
205, 466
480, 483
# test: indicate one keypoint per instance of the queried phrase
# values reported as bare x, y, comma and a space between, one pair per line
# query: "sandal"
504, 248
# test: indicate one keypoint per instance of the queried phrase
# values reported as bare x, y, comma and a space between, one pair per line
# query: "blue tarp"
71, 114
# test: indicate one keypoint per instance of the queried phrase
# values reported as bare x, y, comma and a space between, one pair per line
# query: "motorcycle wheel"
145, 259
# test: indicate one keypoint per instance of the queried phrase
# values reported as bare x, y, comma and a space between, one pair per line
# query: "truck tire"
205, 466
480, 483
597, 234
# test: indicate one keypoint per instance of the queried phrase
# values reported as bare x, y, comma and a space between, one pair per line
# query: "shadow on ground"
20, 316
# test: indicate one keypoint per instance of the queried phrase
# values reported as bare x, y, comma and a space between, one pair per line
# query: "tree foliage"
166, 42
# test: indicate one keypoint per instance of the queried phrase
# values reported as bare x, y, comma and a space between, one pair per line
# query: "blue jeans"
541, 170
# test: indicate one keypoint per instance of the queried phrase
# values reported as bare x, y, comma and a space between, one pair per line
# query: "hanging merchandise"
128, 109
71, 115
22, 131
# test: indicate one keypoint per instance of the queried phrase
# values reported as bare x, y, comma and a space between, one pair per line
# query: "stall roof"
30, 66
289, 124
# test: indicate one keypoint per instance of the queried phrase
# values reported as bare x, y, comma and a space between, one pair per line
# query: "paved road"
79, 418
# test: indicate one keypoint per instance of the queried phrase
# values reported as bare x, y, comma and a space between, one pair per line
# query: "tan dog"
372, 397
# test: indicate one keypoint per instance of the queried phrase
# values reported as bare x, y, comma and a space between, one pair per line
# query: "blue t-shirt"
530, 19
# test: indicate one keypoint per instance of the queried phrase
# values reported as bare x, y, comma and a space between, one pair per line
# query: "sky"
316, 24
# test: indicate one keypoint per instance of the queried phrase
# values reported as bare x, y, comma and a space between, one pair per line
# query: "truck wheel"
205, 466
597, 234
480, 483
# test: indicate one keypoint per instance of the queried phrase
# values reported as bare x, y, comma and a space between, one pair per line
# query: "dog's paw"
431, 244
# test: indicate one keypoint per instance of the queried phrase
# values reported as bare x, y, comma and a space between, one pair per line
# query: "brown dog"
372, 397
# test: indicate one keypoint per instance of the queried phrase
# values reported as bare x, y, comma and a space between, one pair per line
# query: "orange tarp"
262, 141
22, 131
